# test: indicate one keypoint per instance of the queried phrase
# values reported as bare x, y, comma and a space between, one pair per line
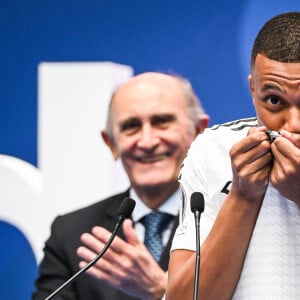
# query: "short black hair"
279, 39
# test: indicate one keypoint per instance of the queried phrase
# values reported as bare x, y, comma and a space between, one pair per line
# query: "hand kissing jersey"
272, 265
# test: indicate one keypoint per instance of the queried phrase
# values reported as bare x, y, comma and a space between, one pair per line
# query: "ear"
251, 85
202, 124
110, 143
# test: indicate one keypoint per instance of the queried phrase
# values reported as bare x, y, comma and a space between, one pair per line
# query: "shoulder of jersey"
237, 125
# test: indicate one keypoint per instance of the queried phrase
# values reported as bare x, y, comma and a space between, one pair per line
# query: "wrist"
158, 291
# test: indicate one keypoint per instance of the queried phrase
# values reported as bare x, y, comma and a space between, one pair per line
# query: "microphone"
197, 207
124, 211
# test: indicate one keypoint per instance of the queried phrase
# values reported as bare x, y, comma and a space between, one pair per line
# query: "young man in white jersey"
250, 228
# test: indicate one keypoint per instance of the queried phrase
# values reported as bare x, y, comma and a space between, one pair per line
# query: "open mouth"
151, 159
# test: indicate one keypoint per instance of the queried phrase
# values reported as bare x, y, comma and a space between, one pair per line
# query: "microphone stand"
91, 263
197, 264
197, 207
124, 211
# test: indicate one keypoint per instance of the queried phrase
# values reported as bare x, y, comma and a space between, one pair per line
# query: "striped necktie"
154, 224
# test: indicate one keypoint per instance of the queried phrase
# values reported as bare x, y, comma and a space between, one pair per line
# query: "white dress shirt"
170, 206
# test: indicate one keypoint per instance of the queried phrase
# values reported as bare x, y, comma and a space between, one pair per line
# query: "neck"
155, 196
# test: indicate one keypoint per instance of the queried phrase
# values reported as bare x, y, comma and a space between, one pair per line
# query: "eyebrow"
267, 87
128, 122
166, 117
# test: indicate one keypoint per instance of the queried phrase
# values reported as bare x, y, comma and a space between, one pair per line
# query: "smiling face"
151, 130
275, 89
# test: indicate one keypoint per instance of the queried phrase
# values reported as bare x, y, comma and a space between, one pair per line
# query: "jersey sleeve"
192, 179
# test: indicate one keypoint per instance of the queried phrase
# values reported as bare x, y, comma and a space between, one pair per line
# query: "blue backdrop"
206, 41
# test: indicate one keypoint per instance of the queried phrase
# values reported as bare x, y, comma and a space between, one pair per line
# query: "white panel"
77, 167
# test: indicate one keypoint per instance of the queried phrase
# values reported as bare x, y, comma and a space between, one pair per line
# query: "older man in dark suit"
152, 120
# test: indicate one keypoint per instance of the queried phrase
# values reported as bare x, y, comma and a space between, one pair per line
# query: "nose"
293, 120
148, 138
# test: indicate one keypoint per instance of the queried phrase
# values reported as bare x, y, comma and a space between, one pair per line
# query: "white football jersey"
272, 265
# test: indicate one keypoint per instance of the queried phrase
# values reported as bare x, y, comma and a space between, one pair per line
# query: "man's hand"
127, 266
285, 174
251, 164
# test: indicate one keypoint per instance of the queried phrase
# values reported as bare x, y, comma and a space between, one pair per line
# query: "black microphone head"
197, 202
126, 207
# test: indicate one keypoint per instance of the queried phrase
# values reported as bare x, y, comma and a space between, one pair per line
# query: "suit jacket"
60, 261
